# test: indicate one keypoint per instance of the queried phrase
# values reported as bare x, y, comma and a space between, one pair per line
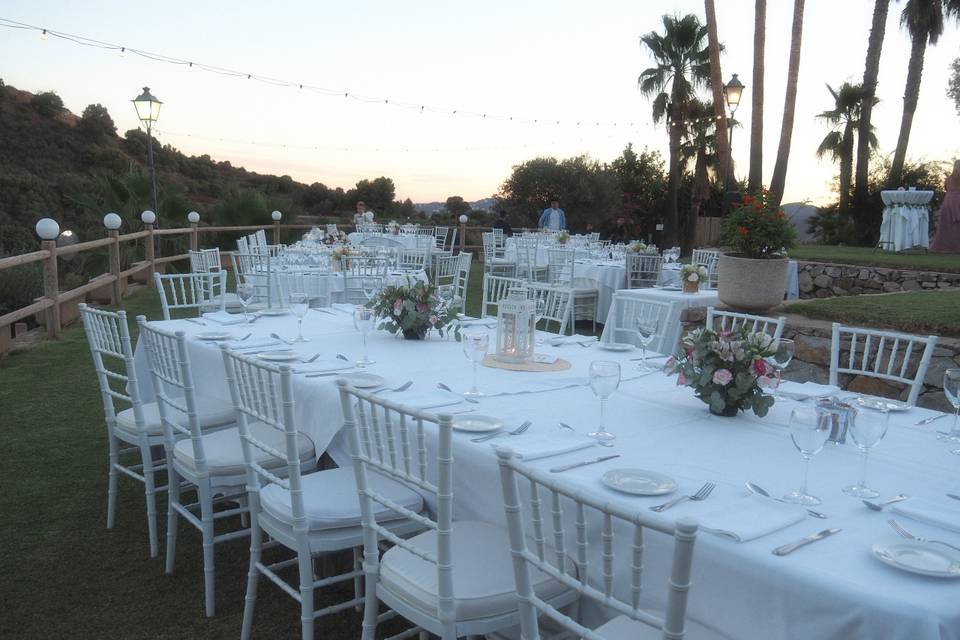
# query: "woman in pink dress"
947, 238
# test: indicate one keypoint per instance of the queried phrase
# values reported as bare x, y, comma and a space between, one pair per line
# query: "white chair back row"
204, 291
731, 320
643, 270
556, 301
452, 278
709, 259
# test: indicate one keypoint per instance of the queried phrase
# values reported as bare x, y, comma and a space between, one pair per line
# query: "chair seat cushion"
624, 628
330, 499
224, 452
212, 413
483, 584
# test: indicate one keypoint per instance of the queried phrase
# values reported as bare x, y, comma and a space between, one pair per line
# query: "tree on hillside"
377, 194
871, 70
456, 205
779, 178
47, 103
407, 210
682, 65
953, 85
96, 124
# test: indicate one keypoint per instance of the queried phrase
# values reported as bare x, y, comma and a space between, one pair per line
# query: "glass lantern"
516, 326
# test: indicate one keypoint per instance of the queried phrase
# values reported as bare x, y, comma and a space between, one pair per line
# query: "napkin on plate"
322, 366
939, 514
751, 517
423, 400
224, 318
544, 445
574, 339
252, 343
804, 390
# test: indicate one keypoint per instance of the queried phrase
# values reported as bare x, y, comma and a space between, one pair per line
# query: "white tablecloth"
334, 280
678, 301
833, 589
906, 220
402, 240
606, 276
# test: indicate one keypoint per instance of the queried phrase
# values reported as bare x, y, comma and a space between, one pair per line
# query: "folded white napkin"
252, 343
751, 517
423, 400
574, 339
322, 366
344, 307
478, 322
224, 318
544, 445
939, 514
804, 390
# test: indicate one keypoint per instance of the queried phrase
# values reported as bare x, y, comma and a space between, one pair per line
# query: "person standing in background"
501, 223
620, 233
947, 238
553, 218
362, 215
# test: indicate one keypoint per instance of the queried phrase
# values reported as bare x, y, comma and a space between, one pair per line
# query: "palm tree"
844, 119
755, 180
789, 106
682, 65
924, 20
701, 145
870, 71
716, 87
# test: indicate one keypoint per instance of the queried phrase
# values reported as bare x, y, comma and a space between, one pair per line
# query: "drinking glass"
245, 294
867, 428
646, 332
370, 287
951, 389
809, 433
363, 320
604, 380
780, 360
475, 347
299, 304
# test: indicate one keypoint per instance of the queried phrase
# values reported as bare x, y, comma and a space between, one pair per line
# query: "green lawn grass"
933, 312
877, 258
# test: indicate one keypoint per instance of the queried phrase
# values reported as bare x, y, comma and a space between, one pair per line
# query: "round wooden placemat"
559, 365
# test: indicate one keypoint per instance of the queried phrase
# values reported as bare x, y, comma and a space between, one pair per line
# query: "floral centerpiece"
691, 275
637, 247
413, 310
340, 255
393, 227
336, 237
727, 370
563, 237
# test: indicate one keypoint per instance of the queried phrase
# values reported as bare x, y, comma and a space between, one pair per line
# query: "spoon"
440, 385
277, 336
602, 443
757, 489
878, 506
340, 356
313, 358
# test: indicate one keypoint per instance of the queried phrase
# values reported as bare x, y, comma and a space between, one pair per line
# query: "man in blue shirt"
553, 218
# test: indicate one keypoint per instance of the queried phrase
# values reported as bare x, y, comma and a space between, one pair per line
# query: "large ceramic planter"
752, 285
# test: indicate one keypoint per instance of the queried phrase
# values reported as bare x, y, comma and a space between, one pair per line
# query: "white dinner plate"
920, 557
639, 482
615, 346
284, 355
215, 335
879, 404
362, 380
273, 312
476, 424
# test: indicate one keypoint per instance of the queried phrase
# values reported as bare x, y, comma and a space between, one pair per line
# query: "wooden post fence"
116, 293
194, 242
51, 287
148, 252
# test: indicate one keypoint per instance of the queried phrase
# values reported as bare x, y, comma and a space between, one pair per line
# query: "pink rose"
759, 367
421, 307
681, 379
722, 377
397, 304
433, 319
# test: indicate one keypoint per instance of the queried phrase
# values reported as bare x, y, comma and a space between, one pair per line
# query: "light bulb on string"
43, 34
189, 66
123, 52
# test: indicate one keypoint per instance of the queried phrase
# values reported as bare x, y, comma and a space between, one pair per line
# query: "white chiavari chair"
460, 281
363, 274
557, 304
243, 244
708, 259
310, 514
593, 237
257, 269
330, 229
411, 259
527, 248
259, 239
495, 289
494, 261
440, 235
425, 231
885, 355
205, 260
315, 284
626, 312
643, 270
718, 320
562, 273
453, 580
193, 291
546, 500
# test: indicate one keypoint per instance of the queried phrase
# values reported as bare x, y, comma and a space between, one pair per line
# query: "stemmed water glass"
604, 380
809, 432
867, 428
245, 293
299, 304
781, 360
363, 319
370, 287
951, 389
475, 347
646, 332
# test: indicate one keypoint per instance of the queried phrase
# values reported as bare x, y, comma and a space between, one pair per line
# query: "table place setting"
224, 318
578, 339
806, 390
941, 514
749, 517
546, 444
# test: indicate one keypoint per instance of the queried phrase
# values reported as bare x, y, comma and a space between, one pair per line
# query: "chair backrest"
553, 549
425, 231
495, 289
718, 320
315, 284
497, 236
881, 354
708, 259
627, 311
205, 260
643, 270
557, 304
526, 248
560, 265
489, 247
594, 237
363, 273
411, 259
440, 237
389, 439
257, 269
109, 338
173, 388
243, 244
199, 291
461, 282
260, 237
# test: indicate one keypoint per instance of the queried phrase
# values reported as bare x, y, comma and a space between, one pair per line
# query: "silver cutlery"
930, 419
324, 374
456, 413
582, 463
340, 356
500, 432
253, 319
802, 542
602, 443
649, 358
195, 321
312, 359
277, 336
903, 533
760, 491
878, 506
953, 495
444, 387
244, 337
406, 385
702, 494
322, 310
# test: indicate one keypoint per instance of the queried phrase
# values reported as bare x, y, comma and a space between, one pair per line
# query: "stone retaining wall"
824, 280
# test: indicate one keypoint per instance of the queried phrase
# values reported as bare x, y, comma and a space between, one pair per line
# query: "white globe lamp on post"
277, 216
148, 217
112, 221
193, 217
47, 229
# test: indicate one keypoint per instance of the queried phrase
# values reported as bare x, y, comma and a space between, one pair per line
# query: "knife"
574, 465
930, 419
793, 546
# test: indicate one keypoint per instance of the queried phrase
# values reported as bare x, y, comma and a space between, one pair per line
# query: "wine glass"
245, 293
363, 320
646, 332
475, 345
780, 360
604, 380
809, 432
951, 389
370, 287
299, 304
867, 428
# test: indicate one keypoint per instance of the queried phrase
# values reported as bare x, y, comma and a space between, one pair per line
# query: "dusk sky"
567, 61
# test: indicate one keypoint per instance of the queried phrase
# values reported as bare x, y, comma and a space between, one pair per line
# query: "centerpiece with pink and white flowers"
728, 370
414, 310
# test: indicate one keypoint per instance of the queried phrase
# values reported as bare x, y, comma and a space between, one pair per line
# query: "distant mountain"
432, 208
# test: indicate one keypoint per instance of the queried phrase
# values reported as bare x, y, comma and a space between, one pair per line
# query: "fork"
702, 494
602, 443
281, 339
311, 359
406, 385
340, 356
440, 385
903, 533
523, 427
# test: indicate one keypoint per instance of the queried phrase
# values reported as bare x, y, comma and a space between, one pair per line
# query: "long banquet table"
831, 589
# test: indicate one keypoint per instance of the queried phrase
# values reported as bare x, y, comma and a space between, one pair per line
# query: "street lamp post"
733, 91
148, 111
